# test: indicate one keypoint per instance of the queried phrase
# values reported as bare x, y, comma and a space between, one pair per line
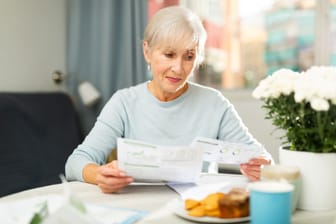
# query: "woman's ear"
145, 49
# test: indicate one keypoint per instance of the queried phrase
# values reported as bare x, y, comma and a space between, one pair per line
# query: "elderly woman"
167, 110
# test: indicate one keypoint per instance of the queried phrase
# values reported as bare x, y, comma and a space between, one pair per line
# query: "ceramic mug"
281, 173
270, 202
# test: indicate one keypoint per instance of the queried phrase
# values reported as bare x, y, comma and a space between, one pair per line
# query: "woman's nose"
177, 66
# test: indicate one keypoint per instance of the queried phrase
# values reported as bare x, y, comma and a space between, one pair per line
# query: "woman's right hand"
111, 179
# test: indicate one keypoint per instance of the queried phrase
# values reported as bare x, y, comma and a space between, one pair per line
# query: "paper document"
149, 163
227, 152
209, 183
58, 210
154, 163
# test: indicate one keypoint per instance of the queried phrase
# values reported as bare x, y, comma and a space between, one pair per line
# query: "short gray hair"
174, 25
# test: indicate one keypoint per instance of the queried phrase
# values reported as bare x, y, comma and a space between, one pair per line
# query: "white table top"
156, 199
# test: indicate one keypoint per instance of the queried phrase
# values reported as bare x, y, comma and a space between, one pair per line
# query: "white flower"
333, 101
304, 88
284, 81
317, 86
262, 90
286, 93
280, 82
322, 82
319, 104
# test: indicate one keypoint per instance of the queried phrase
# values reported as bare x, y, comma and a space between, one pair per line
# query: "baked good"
233, 204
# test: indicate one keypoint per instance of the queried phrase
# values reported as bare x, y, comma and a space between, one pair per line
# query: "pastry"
233, 204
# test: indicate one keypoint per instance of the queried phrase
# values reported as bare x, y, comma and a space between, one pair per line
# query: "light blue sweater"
135, 113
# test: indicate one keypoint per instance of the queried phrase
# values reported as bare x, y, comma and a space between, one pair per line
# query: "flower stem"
320, 125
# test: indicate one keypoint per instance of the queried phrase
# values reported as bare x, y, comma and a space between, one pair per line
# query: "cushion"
38, 131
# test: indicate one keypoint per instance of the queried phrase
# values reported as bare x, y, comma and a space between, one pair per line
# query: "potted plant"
303, 105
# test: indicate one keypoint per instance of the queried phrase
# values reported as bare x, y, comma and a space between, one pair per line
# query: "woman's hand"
110, 179
252, 168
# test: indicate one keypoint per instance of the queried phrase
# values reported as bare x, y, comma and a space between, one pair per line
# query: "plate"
181, 212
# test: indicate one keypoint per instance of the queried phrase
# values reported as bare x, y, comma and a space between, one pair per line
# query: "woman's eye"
169, 55
189, 57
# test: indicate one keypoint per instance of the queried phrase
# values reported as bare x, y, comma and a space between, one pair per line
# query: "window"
248, 40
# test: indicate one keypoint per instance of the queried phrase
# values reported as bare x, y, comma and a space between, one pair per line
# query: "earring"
148, 67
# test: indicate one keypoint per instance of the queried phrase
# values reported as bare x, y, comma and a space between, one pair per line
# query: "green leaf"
37, 219
77, 204
41, 214
305, 129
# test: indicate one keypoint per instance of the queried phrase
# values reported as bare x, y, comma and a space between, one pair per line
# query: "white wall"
32, 43
253, 116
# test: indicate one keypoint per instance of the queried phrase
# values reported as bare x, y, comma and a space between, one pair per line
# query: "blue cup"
270, 202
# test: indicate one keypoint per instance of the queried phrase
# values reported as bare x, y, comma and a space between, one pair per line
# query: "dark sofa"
37, 133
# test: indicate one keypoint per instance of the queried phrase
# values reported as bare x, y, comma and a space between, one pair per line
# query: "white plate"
180, 211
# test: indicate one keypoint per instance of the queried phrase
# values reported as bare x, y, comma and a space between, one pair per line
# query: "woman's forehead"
177, 48
179, 41
185, 46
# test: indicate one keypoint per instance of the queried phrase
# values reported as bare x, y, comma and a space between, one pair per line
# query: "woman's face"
171, 67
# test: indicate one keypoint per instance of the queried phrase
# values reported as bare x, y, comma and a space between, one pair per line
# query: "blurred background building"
248, 40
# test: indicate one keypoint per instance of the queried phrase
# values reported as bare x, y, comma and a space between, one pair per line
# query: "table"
156, 199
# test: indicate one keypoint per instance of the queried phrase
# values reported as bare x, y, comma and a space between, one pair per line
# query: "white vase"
318, 190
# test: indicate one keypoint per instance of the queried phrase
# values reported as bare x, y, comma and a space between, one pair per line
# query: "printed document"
209, 183
227, 152
147, 162
152, 163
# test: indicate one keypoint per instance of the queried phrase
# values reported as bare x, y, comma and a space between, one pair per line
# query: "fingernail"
122, 174
130, 179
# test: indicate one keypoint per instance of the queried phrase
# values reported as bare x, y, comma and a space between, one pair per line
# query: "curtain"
104, 48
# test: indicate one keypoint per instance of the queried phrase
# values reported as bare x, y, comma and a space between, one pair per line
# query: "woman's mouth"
173, 80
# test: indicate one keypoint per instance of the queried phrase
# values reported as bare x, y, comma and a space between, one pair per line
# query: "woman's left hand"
252, 168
